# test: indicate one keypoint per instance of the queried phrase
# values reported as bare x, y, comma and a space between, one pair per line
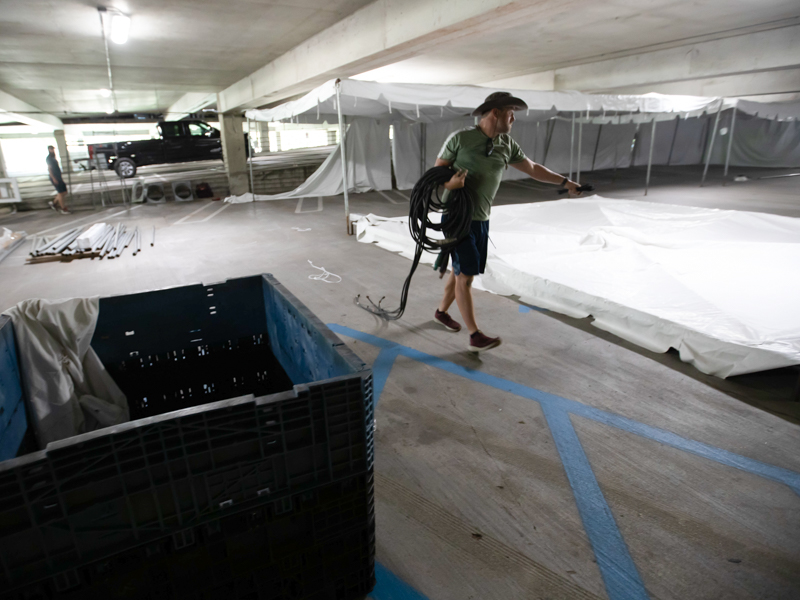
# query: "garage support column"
63, 153
234, 153
3, 174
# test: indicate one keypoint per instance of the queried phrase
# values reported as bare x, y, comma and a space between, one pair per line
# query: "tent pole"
650, 156
342, 130
580, 145
250, 157
674, 137
571, 145
535, 141
597, 145
550, 127
730, 141
711, 145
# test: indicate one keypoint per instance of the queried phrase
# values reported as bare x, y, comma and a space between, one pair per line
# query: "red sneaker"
478, 342
446, 320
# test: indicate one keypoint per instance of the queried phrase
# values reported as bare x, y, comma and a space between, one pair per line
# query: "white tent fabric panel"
719, 286
614, 150
406, 144
759, 143
665, 132
690, 141
368, 166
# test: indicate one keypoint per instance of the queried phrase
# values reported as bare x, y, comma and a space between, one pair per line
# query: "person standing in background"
58, 182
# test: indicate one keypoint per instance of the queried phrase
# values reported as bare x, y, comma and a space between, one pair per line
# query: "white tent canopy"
568, 132
430, 103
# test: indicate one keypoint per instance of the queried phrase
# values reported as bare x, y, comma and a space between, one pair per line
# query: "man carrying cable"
480, 155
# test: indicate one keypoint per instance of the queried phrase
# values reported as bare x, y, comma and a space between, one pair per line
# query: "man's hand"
573, 189
456, 181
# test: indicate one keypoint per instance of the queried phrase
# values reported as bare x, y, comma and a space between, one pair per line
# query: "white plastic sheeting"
719, 286
67, 389
368, 165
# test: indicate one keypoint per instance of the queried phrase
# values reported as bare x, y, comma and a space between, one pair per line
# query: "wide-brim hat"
499, 100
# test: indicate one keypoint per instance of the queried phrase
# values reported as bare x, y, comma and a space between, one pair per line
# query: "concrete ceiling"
664, 44
52, 54
259, 51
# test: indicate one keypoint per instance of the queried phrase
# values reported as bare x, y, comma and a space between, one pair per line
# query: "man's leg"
463, 290
449, 293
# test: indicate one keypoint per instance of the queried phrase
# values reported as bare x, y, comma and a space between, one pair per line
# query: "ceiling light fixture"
120, 27
105, 93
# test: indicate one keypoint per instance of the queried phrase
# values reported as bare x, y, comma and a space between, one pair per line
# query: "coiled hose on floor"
425, 199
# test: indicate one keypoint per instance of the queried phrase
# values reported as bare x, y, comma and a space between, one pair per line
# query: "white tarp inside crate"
720, 286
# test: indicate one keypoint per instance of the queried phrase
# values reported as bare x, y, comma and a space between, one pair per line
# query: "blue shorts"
469, 257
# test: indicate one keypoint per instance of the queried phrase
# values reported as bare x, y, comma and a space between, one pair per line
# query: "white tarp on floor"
720, 286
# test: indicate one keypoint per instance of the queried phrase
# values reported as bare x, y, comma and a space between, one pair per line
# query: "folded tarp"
67, 389
368, 166
720, 286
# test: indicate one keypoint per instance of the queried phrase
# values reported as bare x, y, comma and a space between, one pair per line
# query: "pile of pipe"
100, 239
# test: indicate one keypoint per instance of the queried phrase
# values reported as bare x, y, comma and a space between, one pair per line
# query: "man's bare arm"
457, 180
541, 173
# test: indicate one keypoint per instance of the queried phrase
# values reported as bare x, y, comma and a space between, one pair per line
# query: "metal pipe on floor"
711, 145
342, 133
650, 156
730, 141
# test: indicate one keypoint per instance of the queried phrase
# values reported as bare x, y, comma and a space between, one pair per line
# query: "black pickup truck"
181, 141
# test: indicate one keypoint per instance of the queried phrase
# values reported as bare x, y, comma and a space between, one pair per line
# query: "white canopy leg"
650, 156
711, 145
571, 145
342, 130
250, 157
580, 148
730, 141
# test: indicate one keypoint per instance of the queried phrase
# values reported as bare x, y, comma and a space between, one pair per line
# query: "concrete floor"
564, 464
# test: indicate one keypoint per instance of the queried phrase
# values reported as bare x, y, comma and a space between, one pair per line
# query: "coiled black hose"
425, 199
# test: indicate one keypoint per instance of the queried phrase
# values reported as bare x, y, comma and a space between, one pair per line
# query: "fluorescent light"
120, 26
105, 93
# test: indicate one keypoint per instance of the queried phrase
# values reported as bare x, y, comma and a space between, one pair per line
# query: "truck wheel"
125, 168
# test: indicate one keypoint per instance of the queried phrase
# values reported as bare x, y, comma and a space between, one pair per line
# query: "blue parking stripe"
390, 587
620, 576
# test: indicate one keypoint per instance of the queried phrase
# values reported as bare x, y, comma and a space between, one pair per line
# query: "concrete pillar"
234, 153
63, 153
3, 172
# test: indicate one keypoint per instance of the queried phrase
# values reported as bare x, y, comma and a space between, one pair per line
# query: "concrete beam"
25, 113
764, 83
760, 52
189, 103
378, 34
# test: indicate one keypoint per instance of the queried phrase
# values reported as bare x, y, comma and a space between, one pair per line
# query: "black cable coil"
425, 199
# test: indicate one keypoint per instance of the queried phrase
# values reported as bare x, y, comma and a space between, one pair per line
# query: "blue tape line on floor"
619, 573
620, 576
527, 309
390, 587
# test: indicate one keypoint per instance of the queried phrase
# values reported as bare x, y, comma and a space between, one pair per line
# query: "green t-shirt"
467, 150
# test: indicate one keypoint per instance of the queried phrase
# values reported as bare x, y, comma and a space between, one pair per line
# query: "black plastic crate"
92, 497
318, 544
